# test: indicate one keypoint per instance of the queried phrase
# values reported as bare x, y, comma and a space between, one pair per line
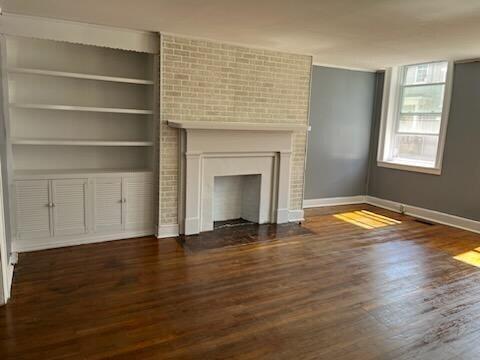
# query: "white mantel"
213, 125
210, 149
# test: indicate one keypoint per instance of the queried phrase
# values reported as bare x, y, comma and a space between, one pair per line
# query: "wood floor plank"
327, 289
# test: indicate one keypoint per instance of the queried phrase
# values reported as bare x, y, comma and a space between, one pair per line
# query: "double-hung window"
415, 108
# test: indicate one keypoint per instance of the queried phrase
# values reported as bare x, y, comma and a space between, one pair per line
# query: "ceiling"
362, 34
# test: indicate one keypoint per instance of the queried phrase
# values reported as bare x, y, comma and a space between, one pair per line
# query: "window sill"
412, 168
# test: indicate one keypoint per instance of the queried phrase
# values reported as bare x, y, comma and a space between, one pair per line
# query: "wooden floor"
332, 290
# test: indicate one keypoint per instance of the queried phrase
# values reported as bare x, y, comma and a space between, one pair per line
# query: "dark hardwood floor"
326, 290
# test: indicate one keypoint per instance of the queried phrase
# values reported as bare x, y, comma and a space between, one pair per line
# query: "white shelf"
74, 75
80, 108
214, 125
23, 141
66, 173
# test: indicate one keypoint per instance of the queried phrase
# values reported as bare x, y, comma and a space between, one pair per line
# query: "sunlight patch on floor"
366, 219
470, 257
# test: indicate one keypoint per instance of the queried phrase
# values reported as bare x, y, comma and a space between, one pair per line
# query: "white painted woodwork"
76, 158
77, 32
22, 141
79, 75
212, 152
80, 108
95, 126
68, 100
69, 206
57, 212
137, 202
219, 125
108, 204
78, 173
32, 209
59, 56
80, 126
37, 91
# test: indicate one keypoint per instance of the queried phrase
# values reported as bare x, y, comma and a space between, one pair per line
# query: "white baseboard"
283, 216
333, 201
426, 214
43, 244
8, 289
296, 215
418, 212
166, 231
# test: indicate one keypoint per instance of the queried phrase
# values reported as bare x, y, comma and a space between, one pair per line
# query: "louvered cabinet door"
138, 203
32, 199
108, 212
69, 198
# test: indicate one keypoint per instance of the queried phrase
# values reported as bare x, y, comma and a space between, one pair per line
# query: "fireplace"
237, 197
214, 154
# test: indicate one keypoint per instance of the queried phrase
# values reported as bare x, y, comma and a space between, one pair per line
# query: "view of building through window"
417, 124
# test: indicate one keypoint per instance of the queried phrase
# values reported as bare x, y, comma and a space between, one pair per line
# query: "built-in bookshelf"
74, 107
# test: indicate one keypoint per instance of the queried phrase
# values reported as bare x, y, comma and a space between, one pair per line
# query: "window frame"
390, 111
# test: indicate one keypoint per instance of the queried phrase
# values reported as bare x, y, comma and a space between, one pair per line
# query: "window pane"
423, 99
415, 147
426, 73
423, 124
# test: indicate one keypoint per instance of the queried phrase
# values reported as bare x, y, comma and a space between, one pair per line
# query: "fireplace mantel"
210, 149
214, 125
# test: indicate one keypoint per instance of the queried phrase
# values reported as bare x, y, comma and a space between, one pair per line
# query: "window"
414, 116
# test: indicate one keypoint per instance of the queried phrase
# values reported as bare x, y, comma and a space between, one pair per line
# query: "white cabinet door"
108, 209
32, 201
138, 203
69, 198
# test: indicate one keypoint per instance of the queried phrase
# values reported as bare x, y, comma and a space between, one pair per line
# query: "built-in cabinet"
80, 127
54, 212
123, 204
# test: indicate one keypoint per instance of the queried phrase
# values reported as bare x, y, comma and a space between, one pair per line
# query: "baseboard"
166, 231
333, 201
8, 290
43, 244
296, 215
426, 214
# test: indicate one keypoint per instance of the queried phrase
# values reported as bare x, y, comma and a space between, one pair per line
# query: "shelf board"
41, 173
214, 125
80, 108
74, 75
63, 142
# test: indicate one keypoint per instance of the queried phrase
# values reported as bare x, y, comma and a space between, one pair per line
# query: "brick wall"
209, 81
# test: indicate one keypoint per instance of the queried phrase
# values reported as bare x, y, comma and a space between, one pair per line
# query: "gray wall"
457, 190
341, 107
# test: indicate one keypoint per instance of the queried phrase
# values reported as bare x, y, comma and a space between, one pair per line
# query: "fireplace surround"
214, 149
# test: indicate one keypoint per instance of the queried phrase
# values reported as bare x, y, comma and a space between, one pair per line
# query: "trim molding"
341, 67
426, 214
415, 211
166, 231
333, 201
78, 32
49, 244
296, 215
10, 269
406, 167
